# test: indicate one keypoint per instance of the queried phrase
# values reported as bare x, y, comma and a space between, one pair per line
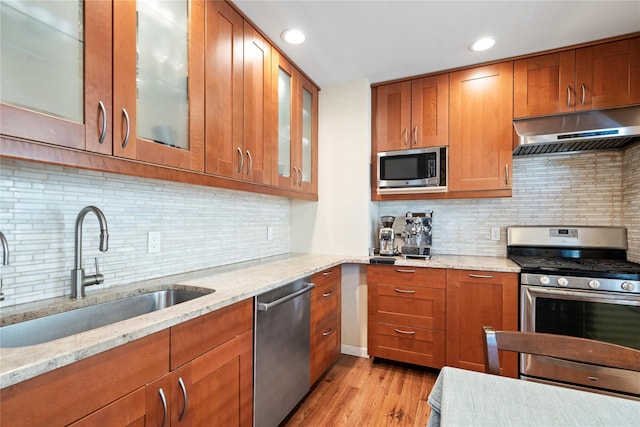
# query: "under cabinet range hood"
572, 132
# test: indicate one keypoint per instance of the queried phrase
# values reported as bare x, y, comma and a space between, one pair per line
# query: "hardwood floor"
367, 392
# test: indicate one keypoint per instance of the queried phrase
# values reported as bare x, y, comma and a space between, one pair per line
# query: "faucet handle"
99, 278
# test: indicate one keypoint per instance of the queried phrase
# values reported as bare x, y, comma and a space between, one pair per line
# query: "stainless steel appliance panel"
281, 352
603, 316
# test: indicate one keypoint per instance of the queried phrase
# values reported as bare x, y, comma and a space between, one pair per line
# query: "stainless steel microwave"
420, 169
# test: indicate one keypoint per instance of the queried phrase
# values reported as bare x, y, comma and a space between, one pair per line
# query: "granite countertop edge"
232, 283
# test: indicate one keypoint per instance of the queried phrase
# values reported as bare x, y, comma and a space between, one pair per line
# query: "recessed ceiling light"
482, 44
293, 36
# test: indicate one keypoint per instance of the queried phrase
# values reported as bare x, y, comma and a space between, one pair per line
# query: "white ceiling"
384, 40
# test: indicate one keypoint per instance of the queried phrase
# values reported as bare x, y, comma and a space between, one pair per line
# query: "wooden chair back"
559, 346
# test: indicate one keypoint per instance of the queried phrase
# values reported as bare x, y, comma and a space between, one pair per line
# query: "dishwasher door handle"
266, 306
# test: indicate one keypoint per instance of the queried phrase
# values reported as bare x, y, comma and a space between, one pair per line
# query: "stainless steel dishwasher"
281, 351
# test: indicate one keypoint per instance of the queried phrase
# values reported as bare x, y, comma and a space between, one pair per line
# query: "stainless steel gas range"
576, 281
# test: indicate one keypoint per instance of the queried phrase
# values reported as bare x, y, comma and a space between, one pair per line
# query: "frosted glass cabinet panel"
162, 72
41, 56
284, 123
307, 132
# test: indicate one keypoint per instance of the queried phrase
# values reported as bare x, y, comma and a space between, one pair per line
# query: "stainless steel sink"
48, 328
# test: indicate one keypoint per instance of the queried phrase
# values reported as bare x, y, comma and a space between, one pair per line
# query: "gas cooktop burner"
609, 268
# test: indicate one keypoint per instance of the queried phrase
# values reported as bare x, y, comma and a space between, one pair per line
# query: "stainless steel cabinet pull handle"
506, 174
568, 96
406, 140
327, 273
164, 405
400, 270
126, 134
415, 135
250, 166
328, 332
583, 94
404, 291
184, 395
300, 178
405, 332
295, 176
480, 276
103, 113
240, 160
327, 294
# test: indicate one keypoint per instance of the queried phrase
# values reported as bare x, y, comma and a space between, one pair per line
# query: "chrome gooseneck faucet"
78, 279
5, 259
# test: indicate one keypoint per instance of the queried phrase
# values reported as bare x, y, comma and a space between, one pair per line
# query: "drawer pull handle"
404, 291
327, 273
401, 270
405, 332
103, 114
481, 276
327, 294
184, 396
327, 332
164, 407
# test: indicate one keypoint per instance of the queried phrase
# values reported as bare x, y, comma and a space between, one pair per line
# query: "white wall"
339, 223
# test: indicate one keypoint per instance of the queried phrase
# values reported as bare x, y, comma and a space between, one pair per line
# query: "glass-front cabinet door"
297, 106
159, 82
55, 68
308, 147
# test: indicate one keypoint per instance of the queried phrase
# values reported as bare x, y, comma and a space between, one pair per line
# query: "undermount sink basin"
49, 328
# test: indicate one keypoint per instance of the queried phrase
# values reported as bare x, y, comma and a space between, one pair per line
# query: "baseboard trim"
354, 351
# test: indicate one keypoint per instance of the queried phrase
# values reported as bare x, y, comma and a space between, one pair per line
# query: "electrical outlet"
153, 242
495, 233
269, 232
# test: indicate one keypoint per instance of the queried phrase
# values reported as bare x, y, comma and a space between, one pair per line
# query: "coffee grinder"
387, 236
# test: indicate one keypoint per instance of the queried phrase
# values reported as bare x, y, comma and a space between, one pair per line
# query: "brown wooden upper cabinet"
158, 82
238, 92
599, 76
480, 129
56, 73
413, 114
295, 150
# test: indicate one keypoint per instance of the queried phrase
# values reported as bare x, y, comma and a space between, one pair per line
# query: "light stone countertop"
232, 283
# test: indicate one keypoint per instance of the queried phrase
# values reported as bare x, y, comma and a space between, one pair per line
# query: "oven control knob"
563, 282
544, 280
627, 286
594, 284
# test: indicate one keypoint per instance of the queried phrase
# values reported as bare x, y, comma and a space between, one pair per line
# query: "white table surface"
467, 398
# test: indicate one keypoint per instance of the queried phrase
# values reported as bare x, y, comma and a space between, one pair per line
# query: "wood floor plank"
359, 392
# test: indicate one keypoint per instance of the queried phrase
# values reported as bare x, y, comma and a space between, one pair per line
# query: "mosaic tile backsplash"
199, 227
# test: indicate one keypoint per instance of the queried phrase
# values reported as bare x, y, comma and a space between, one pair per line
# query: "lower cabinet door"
221, 392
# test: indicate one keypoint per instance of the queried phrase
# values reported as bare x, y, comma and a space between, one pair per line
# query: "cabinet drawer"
326, 344
327, 278
407, 344
196, 337
407, 305
325, 300
414, 276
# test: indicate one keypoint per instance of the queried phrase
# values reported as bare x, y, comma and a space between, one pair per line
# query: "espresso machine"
417, 235
387, 236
